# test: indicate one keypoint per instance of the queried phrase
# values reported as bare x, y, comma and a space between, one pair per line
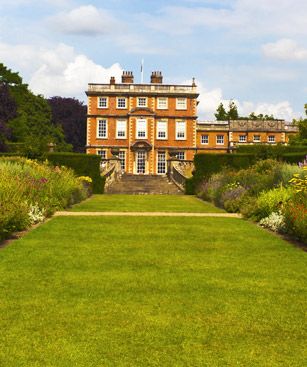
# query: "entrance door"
161, 163
140, 162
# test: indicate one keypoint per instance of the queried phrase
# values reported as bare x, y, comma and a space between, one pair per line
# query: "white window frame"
180, 130
257, 140
141, 99
99, 103
138, 129
162, 106
99, 135
204, 141
104, 155
121, 130
122, 159
181, 103
220, 139
161, 163
162, 130
119, 100
180, 156
242, 138
270, 140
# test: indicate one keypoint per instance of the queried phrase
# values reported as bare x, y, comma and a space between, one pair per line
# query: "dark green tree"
232, 111
31, 126
221, 114
301, 137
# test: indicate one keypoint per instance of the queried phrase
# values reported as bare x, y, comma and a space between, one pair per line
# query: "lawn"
150, 291
146, 203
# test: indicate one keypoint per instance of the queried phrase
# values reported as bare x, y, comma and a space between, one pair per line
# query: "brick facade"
146, 124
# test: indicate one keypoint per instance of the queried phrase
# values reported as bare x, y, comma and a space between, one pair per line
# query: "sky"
252, 52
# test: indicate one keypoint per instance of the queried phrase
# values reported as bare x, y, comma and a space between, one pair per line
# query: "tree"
31, 124
70, 114
301, 137
8, 110
233, 111
221, 114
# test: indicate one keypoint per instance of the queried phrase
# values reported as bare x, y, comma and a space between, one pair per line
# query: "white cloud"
57, 71
284, 49
86, 20
210, 99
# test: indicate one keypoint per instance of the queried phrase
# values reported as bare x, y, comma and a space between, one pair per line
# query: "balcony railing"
151, 88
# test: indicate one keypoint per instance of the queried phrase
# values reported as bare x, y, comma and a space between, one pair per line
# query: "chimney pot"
127, 77
112, 80
156, 77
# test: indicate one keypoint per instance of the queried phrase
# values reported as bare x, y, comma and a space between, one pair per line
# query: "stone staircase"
143, 184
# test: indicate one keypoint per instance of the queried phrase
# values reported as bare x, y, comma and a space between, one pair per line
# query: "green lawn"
150, 291
146, 203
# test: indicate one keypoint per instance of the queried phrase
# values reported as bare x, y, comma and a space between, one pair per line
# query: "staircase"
143, 184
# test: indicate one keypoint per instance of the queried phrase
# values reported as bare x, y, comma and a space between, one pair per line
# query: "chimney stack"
112, 80
127, 77
156, 77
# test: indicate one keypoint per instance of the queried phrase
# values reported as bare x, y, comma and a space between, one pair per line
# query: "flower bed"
271, 192
31, 191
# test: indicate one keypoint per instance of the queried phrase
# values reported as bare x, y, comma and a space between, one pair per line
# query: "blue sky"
254, 52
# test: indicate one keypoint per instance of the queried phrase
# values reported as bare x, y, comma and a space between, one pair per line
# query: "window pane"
205, 139
180, 129
102, 129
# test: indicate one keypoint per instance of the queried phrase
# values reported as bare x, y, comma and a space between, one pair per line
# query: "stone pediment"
141, 111
141, 145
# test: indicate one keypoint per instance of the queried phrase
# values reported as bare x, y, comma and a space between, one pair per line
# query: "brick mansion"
146, 124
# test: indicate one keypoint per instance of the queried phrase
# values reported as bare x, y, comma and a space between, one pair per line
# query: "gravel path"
151, 214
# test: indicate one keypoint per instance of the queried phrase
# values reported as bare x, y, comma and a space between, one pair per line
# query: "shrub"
275, 222
295, 213
83, 165
29, 191
271, 201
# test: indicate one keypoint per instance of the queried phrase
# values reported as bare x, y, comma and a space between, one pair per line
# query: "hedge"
265, 151
208, 163
82, 164
294, 157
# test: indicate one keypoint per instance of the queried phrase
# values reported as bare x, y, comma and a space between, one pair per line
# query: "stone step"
143, 184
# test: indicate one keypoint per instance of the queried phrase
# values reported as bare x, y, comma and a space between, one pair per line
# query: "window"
162, 130
180, 155
121, 128
204, 139
220, 139
162, 103
271, 138
141, 128
181, 103
122, 102
102, 102
122, 159
102, 154
142, 101
242, 138
161, 163
180, 130
102, 129
257, 138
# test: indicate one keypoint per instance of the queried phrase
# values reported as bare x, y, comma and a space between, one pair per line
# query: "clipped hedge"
208, 163
294, 158
265, 151
82, 164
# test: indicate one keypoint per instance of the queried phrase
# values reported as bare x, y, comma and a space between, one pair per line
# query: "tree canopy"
301, 137
233, 114
25, 118
70, 114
